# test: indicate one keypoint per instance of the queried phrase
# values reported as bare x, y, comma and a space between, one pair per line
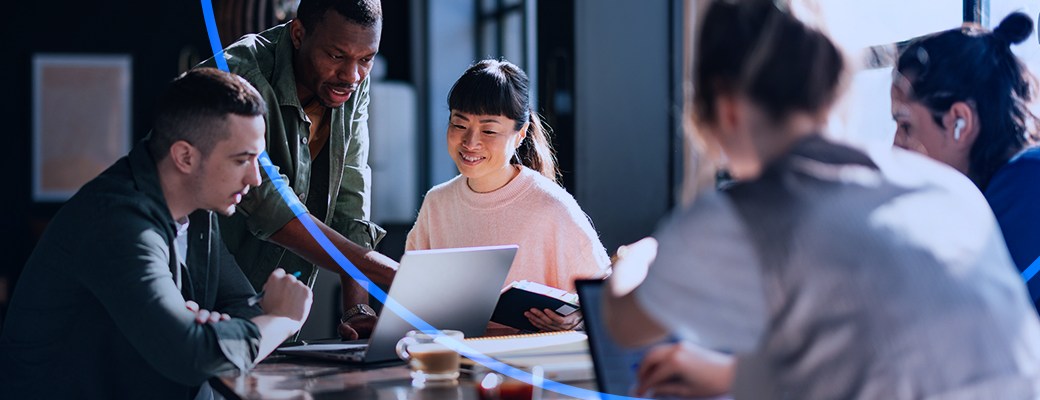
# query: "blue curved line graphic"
301, 214
214, 36
1031, 270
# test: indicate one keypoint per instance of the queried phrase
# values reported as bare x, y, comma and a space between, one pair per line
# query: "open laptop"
448, 288
615, 367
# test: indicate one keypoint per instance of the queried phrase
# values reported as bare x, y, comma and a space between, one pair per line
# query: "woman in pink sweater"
507, 191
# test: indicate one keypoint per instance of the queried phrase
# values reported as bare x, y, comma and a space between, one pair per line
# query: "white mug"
430, 360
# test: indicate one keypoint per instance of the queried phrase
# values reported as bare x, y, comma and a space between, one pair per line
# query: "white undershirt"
180, 244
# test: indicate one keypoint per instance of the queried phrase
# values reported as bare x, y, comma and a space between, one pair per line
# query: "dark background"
606, 79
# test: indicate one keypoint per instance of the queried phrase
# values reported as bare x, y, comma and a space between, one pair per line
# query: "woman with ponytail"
961, 97
507, 190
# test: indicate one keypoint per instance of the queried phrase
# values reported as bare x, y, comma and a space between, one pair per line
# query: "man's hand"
286, 296
358, 327
685, 370
548, 321
286, 304
205, 316
293, 236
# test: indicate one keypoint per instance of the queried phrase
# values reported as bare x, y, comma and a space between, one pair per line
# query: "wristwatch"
357, 309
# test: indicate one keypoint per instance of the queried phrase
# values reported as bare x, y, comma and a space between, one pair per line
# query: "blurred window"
867, 31
502, 31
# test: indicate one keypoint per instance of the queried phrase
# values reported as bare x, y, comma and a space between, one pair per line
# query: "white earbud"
957, 126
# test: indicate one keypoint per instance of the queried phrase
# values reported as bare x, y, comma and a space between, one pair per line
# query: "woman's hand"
685, 370
548, 320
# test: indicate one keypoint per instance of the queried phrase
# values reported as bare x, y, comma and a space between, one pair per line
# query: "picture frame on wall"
81, 119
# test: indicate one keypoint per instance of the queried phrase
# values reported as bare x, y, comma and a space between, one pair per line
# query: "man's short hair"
362, 12
195, 109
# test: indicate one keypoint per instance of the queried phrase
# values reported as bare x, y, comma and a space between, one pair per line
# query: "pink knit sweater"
556, 239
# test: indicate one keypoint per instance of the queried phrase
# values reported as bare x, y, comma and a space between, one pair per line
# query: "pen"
256, 297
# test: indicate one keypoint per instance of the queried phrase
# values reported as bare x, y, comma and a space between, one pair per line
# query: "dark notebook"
523, 296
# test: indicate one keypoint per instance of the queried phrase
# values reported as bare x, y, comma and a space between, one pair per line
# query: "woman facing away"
961, 97
506, 192
816, 275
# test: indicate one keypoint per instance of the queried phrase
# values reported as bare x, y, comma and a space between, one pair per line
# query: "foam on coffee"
435, 360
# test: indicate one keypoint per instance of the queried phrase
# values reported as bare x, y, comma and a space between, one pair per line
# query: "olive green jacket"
266, 61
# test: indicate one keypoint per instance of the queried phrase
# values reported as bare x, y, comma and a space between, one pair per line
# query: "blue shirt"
1014, 195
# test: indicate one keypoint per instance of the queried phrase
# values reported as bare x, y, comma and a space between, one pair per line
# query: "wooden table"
281, 377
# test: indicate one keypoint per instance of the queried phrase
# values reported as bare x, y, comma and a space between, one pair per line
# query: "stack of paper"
563, 356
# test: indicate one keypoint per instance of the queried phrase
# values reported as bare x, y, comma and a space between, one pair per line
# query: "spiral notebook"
563, 356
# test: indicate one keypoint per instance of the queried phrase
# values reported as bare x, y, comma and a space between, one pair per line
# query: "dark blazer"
97, 313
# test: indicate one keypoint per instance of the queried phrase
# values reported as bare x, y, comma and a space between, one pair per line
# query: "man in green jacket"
115, 300
313, 73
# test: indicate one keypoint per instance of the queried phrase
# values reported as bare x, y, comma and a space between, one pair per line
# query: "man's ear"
297, 32
962, 125
184, 156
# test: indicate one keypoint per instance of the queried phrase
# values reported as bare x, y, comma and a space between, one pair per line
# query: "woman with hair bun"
962, 97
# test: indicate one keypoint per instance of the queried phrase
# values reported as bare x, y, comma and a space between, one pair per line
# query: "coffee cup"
431, 360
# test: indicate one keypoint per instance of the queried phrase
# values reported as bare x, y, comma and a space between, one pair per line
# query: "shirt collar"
182, 226
284, 76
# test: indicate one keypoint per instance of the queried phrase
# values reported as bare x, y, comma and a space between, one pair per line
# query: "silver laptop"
448, 288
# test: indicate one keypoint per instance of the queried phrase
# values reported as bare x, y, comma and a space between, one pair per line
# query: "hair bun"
1015, 28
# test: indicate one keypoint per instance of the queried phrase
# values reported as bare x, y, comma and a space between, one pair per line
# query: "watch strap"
355, 310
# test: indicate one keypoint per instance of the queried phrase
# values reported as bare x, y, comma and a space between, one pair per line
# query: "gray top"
97, 313
832, 280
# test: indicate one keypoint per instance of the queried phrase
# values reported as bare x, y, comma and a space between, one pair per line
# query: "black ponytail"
536, 150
